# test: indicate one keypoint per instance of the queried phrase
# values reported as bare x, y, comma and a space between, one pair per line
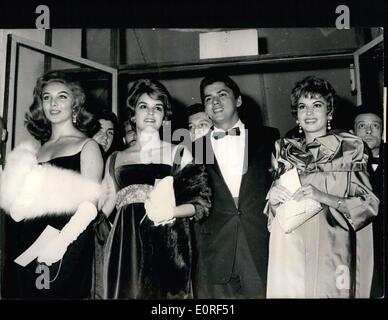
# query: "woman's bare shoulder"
65, 146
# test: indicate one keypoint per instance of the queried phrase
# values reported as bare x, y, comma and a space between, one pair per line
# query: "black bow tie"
231, 132
374, 160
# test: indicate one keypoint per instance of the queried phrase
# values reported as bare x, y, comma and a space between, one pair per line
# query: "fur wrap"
191, 186
30, 190
176, 253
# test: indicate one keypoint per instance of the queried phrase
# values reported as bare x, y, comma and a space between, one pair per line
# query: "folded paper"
48, 235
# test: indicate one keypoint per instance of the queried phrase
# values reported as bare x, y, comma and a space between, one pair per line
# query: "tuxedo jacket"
216, 236
379, 223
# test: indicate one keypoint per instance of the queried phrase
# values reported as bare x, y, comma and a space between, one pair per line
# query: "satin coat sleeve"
361, 203
351, 181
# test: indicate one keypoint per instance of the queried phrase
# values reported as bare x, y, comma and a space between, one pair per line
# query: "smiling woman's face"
149, 113
58, 101
312, 114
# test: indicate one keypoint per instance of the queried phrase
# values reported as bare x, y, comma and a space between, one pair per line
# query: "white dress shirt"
229, 152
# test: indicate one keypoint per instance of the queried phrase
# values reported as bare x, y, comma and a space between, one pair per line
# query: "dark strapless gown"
70, 278
144, 261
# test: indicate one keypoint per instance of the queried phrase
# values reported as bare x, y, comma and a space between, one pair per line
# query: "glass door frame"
14, 42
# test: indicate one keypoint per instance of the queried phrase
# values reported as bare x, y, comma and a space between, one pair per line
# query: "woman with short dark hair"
321, 235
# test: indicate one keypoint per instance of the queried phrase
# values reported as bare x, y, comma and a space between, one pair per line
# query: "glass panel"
31, 64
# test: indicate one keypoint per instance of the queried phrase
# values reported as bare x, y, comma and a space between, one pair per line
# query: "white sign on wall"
228, 44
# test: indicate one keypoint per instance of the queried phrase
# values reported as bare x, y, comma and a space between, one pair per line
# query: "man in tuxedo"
368, 125
232, 242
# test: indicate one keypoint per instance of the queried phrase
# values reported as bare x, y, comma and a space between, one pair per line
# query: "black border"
199, 14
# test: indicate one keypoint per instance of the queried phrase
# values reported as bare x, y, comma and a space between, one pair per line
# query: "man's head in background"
199, 121
368, 125
129, 134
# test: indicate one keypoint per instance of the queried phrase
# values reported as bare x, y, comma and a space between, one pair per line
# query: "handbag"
292, 214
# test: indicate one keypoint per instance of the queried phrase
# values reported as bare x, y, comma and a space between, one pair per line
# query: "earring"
74, 117
300, 127
328, 123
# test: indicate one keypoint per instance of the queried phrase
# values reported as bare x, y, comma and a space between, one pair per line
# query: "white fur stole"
29, 190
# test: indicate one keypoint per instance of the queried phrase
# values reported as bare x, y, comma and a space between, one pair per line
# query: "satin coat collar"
337, 151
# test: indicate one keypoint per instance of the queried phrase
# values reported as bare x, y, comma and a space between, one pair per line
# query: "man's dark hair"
210, 79
363, 110
195, 108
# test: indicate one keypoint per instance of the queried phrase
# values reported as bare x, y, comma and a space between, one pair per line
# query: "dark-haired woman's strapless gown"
69, 278
144, 261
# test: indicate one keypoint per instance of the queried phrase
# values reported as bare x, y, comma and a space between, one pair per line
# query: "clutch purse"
292, 214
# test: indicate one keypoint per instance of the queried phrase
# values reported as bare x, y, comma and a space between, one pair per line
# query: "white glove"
56, 249
161, 202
